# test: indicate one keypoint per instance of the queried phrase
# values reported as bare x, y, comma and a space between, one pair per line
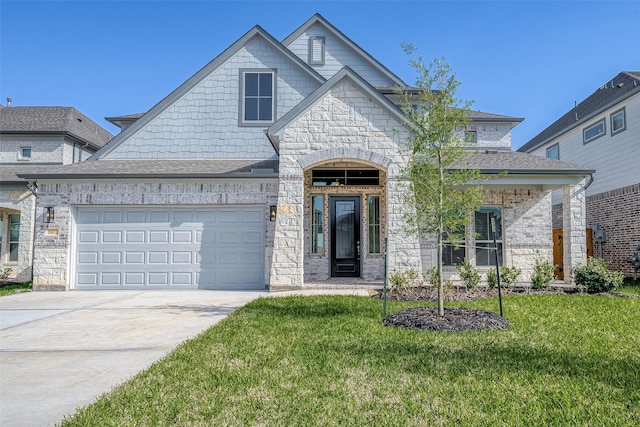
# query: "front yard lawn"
327, 360
15, 289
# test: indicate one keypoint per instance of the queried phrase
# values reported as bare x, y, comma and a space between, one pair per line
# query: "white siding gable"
616, 158
203, 123
337, 55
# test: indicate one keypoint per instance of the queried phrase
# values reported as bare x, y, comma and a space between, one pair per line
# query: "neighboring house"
603, 132
32, 138
278, 165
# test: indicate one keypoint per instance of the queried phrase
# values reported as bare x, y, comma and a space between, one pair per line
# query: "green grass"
630, 286
15, 289
327, 360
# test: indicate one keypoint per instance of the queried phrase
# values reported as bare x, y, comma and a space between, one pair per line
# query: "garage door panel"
210, 248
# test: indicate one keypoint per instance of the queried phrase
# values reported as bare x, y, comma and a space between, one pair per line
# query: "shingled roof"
621, 87
54, 121
499, 161
184, 168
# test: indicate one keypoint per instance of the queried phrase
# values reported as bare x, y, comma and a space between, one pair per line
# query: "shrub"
5, 273
432, 278
401, 280
469, 274
492, 278
596, 277
543, 273
509, 276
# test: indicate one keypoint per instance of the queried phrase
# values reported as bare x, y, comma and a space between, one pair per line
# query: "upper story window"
25, 153
594, 131
553, 152
470, 136
316, 50
618, 121
257, 89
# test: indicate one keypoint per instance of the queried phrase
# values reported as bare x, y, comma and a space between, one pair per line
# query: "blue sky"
109, 58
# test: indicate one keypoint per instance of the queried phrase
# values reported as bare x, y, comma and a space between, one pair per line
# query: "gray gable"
621, 87
202, 74
53, 120
319, 20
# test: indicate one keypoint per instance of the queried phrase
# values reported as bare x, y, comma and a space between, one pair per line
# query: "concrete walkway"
61, 350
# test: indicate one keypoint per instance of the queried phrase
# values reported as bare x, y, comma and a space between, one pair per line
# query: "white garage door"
208, 248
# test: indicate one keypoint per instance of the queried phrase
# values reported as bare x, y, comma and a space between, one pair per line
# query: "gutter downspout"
590, 181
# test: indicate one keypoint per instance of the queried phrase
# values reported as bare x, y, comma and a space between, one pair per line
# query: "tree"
442, 190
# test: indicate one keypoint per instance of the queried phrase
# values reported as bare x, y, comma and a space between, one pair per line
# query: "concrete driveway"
61, 350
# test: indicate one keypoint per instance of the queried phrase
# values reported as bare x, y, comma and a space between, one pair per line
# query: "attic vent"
316, 50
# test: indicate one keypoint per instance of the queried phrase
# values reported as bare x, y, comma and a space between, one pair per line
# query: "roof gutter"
158, 175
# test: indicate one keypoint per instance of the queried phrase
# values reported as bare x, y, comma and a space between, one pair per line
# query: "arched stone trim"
341, 153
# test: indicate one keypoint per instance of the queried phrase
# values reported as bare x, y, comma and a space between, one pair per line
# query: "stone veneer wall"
526, 222
344, 125
23, 202
617, 212
53, 250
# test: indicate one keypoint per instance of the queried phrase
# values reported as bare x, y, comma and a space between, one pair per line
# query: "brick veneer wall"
617, 212
52, 251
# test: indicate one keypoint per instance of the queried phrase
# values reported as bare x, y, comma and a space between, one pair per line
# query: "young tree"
443, 192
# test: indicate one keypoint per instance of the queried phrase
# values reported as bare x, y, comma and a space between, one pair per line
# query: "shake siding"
204, 122
337, 55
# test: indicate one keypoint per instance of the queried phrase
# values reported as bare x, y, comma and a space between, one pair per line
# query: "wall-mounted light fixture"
272, 213
49, 214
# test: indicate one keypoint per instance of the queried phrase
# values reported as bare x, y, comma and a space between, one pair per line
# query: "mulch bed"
430, 293
455, 319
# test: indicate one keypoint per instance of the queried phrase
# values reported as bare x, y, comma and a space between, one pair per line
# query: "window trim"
241, 104
374, 248
21, 155
556, 145
602, 122
622, 111
318, 248
471, 132
322, 40
499, 241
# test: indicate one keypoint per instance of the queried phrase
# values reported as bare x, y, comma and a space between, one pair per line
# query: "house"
278, 166
603, 132
32, 138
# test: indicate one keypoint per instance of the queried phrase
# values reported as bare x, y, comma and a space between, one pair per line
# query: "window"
553, 152
453, 251
317, 221
14, 236
316, 50
25, 153
618, 122
484, 234
470, 136
258, 97
594, 131
373, 203
339, 177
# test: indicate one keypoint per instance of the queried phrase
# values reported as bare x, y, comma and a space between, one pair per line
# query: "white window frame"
21, 155
241, 116
624, 121
602, 122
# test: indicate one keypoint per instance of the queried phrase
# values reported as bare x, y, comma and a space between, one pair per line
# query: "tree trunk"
440, 233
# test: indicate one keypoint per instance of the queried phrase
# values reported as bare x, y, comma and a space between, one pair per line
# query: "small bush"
432, 277
594, 276
469, 274
5, 273
492, 278
402, 280
509, 276
543, 273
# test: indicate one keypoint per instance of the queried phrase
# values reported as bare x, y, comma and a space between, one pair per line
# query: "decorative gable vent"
316, 50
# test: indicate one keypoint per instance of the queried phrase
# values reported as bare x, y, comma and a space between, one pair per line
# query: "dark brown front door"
345, 236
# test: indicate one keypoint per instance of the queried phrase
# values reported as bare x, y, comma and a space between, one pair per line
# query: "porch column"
287, 265
574, 228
